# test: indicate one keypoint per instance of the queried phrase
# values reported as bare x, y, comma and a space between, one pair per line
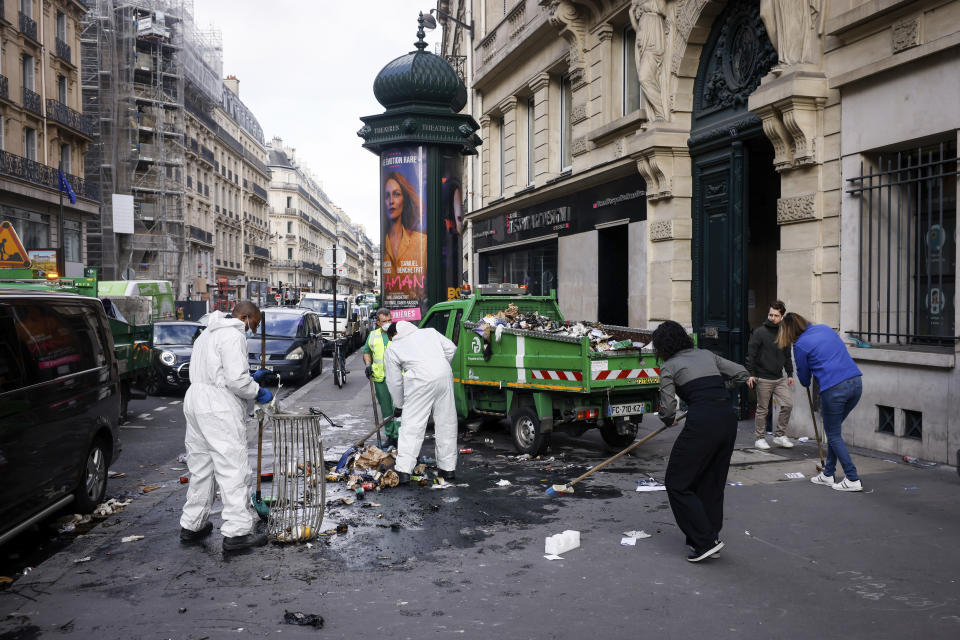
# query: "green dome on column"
419, 77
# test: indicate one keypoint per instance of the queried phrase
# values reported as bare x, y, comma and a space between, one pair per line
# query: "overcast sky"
306, 70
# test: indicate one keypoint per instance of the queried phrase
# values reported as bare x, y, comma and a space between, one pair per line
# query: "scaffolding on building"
141, 60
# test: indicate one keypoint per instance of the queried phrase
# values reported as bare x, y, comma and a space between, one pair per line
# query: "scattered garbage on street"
303, 619
650, 484
562, 542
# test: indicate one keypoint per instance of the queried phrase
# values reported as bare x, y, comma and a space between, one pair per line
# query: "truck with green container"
546, 381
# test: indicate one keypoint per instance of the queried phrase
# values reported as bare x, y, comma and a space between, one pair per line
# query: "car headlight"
167, 358
296, 354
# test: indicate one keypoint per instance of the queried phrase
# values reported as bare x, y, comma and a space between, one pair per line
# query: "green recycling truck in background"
544, 382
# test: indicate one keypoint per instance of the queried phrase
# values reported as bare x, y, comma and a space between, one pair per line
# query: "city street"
468, 561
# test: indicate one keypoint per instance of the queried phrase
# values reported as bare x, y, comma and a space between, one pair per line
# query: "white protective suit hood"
219, 320
404, 329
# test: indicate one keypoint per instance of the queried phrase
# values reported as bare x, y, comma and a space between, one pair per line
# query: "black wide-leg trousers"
697, 472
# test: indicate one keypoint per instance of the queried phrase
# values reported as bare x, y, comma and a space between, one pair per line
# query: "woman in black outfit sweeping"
697, 471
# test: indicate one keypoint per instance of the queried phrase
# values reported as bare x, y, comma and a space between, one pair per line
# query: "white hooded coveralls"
420, 381
216, 439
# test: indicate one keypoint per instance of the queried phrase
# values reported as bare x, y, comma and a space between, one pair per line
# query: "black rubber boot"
237, 543
404, 477
186, 535
447, 475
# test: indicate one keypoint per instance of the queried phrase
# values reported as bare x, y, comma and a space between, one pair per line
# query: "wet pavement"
468, 561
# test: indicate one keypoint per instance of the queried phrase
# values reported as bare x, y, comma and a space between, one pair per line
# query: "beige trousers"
779, 390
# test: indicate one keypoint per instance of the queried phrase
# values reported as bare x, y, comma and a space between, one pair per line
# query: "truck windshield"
282, 325
175, 333
325, 307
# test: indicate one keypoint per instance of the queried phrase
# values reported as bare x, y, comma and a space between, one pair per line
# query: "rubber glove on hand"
397, 412
368, 370
259, 374
264, 396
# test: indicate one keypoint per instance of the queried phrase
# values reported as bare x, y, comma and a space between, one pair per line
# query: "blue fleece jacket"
820, 351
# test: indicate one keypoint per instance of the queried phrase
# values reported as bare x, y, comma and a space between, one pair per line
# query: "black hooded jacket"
764, 358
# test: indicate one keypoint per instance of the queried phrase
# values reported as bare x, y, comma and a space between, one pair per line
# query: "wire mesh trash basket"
299, 489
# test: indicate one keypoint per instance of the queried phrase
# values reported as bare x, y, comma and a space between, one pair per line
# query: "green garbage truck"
543, 373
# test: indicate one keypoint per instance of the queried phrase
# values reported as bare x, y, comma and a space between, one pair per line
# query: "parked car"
172, 346
59, 405
294, 343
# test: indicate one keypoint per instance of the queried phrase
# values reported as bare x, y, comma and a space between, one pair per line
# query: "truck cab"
348, 327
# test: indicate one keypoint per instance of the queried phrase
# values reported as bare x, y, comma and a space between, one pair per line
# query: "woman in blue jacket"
818, 350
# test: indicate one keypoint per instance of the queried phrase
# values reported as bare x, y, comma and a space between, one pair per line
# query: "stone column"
540, 86
663, 160
605, 90
485, 160
792, 107
508, 111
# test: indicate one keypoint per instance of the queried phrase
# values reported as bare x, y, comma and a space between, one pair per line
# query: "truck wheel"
93, 477
616, 440
525, 429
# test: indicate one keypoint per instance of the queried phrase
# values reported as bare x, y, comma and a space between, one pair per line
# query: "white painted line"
175, 402
132, 426
160, 409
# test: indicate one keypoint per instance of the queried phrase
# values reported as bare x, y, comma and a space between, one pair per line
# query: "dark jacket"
697, 376
764, 358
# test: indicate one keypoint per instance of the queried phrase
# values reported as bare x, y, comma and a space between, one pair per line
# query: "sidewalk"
801, 561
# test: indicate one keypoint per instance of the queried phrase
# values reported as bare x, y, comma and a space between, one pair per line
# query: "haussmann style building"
695, 159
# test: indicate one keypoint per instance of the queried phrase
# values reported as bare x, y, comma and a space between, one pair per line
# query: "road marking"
175, 402
160, 409
132, 426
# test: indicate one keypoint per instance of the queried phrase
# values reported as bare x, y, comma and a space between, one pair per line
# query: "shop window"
33, 228
71, 241
885, 419
631, 81
907, 246
534, 267
913, 424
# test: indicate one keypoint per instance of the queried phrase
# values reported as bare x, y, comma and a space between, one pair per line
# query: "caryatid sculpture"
793, 27
649, 22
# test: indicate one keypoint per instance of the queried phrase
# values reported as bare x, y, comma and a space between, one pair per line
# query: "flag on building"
65, 187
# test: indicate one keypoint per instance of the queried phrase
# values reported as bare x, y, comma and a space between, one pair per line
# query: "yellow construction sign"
12, 253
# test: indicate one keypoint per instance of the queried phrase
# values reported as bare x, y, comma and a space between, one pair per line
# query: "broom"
261, 507
561, 489
345, 458
816, 432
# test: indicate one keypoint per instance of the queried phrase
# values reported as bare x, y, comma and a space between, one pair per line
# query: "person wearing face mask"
216, 439
373, 351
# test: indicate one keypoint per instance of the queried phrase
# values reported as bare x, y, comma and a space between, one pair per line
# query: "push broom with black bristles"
563, 489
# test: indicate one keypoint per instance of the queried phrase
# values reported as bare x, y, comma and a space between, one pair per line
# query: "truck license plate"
267, 367
625, 409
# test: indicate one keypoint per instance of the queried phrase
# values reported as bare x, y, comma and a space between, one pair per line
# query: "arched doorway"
735, 187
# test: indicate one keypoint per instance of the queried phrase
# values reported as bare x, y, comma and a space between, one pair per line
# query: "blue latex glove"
258, 375
264, 396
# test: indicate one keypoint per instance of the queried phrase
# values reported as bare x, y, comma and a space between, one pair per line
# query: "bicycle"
339, 363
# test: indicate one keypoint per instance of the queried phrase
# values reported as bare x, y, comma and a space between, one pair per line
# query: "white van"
347, 326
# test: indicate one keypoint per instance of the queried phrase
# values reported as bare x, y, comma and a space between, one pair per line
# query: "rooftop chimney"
232, 83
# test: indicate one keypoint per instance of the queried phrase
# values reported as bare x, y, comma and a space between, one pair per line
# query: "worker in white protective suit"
420, 381
215, 407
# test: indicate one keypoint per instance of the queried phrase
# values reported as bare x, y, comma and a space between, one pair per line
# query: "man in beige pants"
766, 363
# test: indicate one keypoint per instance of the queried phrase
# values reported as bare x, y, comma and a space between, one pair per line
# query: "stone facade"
845, 83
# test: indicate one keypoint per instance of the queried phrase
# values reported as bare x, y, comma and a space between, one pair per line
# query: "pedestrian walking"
374, 351
697, 471
216, 438
766, 363
819, 351
420, 381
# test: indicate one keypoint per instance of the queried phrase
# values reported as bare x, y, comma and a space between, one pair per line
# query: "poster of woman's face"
403, 229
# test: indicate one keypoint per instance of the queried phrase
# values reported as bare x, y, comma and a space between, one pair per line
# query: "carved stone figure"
649, 21
793, 27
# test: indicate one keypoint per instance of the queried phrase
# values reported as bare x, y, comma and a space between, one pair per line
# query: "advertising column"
404, 231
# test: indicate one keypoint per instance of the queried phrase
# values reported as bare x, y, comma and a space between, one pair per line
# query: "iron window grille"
885, 419
913, 424
907, 217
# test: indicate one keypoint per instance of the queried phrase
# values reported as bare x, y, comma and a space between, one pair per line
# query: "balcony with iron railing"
260, 192
200, 235
21, 168
63, 114
32, 101
207, 154
63, 51
28, 26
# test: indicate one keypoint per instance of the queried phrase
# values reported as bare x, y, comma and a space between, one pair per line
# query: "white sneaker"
822, 479
761, 444
848, 485
783, 441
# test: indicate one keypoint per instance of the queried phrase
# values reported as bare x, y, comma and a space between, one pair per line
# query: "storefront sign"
623, 199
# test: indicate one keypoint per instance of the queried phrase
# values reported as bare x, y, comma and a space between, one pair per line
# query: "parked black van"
59, 405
